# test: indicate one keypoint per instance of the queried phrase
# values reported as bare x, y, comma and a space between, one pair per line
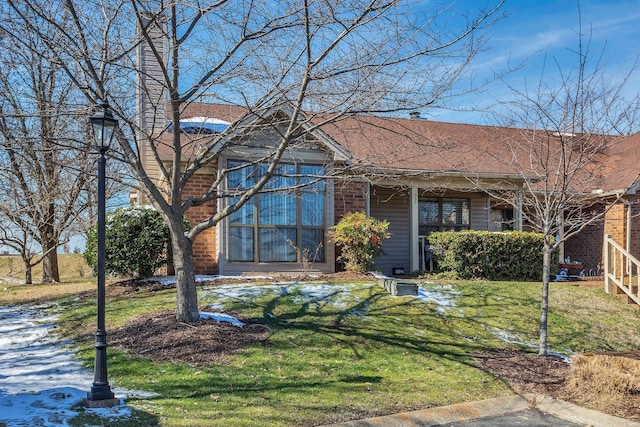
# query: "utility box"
399, 288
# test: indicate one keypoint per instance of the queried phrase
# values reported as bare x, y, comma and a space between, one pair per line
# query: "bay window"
285, 222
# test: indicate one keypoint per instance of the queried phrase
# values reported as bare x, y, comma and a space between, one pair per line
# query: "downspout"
368, 198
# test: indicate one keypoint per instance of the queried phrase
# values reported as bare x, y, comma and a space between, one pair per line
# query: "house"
420, 175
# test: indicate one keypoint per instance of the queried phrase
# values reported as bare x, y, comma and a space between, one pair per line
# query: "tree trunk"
544, 306
28, 276
50, 272
187, 296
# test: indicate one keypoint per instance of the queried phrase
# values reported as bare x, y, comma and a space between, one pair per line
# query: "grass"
75, 277
348, 355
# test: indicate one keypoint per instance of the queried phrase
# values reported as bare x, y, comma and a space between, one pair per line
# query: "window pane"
240, 244
312, 209
244, 215
279, 178
277, 209
241, 178
455, 211
276, 244
311, 173
428, 212
312, 246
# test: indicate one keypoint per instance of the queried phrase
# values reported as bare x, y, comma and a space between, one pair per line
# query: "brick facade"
634, 205
204, 247
350, 196
587, 246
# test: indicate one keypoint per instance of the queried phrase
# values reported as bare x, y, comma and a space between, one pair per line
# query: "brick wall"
204, 247
349, 196
586, 247
634, 205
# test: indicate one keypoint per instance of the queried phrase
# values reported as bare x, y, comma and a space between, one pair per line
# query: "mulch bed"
531, 373
159, 337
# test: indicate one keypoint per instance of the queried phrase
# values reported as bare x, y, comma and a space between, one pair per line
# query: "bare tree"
569, 127
45, 166
292, 67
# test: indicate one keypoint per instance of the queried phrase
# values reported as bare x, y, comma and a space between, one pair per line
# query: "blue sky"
535, 29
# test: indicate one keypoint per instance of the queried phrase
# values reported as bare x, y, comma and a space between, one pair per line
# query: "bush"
513, 255
137, 242
360, 239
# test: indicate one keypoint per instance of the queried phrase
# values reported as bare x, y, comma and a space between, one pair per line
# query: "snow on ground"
40, 380
221, 317
444, 297
319, 294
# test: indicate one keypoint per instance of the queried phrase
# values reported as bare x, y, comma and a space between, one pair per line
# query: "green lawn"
344, 351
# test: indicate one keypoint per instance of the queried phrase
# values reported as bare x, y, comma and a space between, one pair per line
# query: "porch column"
414, 231
518, 213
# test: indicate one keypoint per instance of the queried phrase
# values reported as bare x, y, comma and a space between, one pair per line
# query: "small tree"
360, 238
137, 242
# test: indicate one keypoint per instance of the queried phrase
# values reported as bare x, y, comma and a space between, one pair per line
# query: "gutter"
435, 173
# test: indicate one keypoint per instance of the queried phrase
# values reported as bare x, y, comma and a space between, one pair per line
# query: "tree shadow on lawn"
400, 322
313, 345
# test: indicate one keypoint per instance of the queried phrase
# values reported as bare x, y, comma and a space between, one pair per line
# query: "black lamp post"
104, 125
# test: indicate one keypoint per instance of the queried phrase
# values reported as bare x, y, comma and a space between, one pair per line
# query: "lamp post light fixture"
104, 126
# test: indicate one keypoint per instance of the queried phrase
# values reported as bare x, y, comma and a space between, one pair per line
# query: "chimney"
150, 93
414, 114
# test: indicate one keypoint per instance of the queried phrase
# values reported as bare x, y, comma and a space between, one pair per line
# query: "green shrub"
360, 238
137, 242
488, 255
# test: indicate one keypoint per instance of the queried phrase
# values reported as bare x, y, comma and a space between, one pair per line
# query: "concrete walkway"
527, 410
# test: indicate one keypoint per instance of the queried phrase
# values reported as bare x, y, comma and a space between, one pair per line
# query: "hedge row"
488, 255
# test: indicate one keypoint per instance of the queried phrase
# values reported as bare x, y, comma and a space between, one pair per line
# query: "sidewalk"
529, 410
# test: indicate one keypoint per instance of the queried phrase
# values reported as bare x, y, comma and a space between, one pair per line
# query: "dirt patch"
552, 376
159, 337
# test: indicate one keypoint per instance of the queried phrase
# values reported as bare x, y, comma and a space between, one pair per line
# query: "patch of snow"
221, 317
444, 297
563, 357
512, 338
337, 296
40, 379
11, 281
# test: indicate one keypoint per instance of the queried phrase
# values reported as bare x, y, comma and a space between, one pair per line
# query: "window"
285, 222
501, 219
443, 214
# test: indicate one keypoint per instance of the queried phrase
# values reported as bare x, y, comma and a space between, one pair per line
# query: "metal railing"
621, 271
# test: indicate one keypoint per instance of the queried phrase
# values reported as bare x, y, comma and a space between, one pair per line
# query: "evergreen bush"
137, 242
513, 255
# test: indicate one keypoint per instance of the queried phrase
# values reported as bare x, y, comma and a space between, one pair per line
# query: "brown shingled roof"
423, 145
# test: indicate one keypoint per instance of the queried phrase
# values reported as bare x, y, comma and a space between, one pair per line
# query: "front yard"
319, 352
